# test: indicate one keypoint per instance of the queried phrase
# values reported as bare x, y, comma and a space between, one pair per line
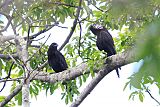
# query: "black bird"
55, 59
104, 40
58, 63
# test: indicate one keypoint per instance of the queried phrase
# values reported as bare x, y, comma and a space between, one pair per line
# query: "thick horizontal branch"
62, 76
116, 60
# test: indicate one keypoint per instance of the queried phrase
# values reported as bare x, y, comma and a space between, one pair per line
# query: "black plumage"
104, 40
55, 59
58, 63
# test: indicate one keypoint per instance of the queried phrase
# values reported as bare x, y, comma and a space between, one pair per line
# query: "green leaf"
141, 96
63, 95
2, 98
125, 86
80, 80
66, 99
70, 97
132, 95
62, 86
19, 98
84, 78
136, 80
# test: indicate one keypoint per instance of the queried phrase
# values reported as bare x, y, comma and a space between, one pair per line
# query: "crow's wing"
105, 42
63, 61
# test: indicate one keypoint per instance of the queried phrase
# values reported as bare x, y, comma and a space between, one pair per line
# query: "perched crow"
55, 59
104, 40
58, 63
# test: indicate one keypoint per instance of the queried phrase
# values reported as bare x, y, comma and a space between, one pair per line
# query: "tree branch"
5, 4
7, 77
63, 4
8, 23
11, 79
152, 96
116, 60
39, 48
6, 38
73, 27
9, 97
42, 31
62, 76
80, 37
3, 56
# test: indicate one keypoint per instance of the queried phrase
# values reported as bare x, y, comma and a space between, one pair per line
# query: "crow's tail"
118, 72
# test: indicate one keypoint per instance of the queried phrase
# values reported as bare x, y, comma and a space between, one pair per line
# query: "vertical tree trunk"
25, 94
22, 51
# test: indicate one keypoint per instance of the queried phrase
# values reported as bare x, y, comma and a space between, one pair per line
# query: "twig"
8, 23
40, 32
100, 8
61, 26
63, 4
39, 38
13, 27
12, 79
28, 39
8, 76
14, 60
83, 19
35, 46
73, 27
79, 51
5, 28
50, 25
9, 73
152, 96
39, 48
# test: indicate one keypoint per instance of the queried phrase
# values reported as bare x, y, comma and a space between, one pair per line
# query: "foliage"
136, 20
148, 46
